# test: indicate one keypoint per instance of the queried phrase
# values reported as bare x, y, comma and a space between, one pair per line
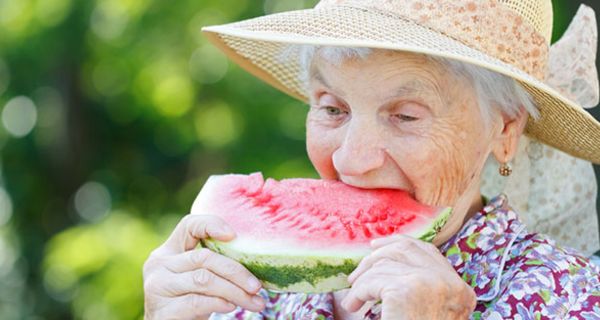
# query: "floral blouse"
515, 274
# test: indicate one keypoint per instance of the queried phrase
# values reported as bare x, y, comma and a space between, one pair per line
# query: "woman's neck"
471, 204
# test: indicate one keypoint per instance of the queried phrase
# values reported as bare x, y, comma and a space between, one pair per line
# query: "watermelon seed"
262, 199
380, 229
304, 226
366, 231
358, 214
348, 228
296, 223
383, 215
238, 191
280, 218
273, 207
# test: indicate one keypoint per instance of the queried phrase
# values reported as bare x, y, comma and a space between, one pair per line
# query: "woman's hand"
182, 282
412, 279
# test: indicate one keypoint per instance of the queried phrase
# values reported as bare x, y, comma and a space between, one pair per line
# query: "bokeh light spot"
206, 17
19, 116
110, 77
60, 282
173, 96
76, 251
109, 20
92, 201
217, 125
106, 260
6, 207
8, 256
52, 12
15, 17
208, 65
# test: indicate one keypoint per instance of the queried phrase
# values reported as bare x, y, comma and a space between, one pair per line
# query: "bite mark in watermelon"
307, 235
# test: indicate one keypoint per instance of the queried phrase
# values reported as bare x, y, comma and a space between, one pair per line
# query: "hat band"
484, 25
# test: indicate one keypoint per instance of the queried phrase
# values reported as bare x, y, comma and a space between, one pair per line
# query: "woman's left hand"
412, 279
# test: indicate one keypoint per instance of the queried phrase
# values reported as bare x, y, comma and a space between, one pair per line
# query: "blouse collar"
480, 249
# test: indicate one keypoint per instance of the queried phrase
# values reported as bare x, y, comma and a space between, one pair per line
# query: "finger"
193, 306
406, 252
380, 242
364, 266
427, 247
371, 285
192, 228
205, 282
356, 298
223, 266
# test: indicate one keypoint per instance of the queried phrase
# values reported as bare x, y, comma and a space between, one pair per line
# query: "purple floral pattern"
515, 274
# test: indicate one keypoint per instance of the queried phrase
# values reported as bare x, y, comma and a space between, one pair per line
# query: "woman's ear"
507, 140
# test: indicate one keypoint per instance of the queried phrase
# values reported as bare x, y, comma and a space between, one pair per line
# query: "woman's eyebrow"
315, 74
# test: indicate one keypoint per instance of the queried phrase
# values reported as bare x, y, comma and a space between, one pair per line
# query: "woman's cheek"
320, 147
441, 173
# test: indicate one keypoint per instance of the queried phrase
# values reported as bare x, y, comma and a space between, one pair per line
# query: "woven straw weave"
262, 46
537, 13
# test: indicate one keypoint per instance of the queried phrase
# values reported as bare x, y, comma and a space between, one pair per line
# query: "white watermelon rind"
304, 271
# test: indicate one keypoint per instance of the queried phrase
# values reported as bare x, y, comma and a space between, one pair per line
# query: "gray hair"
495, 92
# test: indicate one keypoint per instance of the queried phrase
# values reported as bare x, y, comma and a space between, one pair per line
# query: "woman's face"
398, 120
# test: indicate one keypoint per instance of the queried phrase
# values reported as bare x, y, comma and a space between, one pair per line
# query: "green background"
114, 112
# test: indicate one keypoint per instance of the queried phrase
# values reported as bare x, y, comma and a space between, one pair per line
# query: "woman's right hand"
182, 282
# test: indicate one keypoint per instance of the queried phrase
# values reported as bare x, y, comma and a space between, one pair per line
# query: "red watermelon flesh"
313, 212
300, 223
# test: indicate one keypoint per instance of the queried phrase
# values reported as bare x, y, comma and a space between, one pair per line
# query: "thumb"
192, 228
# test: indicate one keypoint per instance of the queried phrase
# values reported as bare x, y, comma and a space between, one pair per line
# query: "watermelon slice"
307, 235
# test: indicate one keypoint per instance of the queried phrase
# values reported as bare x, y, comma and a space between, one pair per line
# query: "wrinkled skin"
399, 120
393, 120
182, 282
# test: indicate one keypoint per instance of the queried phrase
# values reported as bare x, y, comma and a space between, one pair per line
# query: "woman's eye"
406, 118
333, 111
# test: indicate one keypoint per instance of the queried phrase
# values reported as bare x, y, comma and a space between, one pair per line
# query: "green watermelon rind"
305, 273
292, 274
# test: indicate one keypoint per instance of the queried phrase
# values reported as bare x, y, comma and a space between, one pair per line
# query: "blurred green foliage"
114, 113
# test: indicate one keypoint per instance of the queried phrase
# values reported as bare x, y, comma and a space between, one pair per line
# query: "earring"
505, 170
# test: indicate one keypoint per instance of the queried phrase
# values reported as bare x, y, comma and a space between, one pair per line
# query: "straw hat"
511, 37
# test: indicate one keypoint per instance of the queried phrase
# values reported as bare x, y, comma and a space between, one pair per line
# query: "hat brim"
261, 46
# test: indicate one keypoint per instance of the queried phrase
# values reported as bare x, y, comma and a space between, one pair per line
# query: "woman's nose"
359, 153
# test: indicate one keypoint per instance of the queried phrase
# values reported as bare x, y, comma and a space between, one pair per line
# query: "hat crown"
538, 13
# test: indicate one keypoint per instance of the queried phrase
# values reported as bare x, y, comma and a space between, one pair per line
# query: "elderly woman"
411, 95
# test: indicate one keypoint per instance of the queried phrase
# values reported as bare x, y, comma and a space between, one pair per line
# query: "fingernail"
375, 242
258, 301
224, 230
253, 284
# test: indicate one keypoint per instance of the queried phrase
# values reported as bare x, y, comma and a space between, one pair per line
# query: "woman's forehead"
400, 73
412, 85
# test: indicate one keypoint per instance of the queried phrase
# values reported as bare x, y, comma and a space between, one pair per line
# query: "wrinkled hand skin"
412, 279
182, 282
